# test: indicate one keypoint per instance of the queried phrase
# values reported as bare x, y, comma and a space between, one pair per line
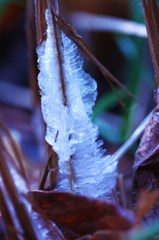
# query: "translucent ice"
69, 128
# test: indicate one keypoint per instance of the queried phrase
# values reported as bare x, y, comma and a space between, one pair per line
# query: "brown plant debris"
151, 14
146, 164
78, 215
20, 223
145, 202
103, 235
40, 7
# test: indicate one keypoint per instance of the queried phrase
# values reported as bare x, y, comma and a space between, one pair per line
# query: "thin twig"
40, 6
57, 38
15, 148
16, 199
151, 14
49, 166
7, 219
87, 53
133, 138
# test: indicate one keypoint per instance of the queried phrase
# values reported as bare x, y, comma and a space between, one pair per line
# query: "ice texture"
69, 128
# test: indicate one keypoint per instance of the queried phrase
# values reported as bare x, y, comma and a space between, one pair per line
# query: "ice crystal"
69, 128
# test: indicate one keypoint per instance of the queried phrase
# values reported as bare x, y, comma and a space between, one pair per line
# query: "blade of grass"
136, 134
107, 102
146, 233
7, 219
135, 66
16, 198
15, 148
96, 22
151, 14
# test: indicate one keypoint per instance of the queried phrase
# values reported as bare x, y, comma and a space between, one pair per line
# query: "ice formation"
82, 165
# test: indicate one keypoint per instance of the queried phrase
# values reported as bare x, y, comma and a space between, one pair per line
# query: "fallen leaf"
146, 164
103, 235
145, 202
78, 215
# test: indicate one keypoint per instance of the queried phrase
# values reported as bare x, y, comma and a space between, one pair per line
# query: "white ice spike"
82, 165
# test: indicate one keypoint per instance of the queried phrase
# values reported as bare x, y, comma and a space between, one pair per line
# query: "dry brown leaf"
146, 165
146, 201
103, 235
78, 215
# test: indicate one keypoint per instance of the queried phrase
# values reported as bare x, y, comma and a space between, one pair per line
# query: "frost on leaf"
68, 96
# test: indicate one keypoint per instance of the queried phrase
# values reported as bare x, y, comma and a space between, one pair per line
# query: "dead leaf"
146, 164
103, 235
22, 222
80, 215
146, 201
86, 237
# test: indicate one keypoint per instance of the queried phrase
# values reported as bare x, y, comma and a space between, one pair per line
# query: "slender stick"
50, 167
7, 219
15, 148
151, 14
133, 138
41, 35
59, 55
87, 53
21, 210
40, 9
